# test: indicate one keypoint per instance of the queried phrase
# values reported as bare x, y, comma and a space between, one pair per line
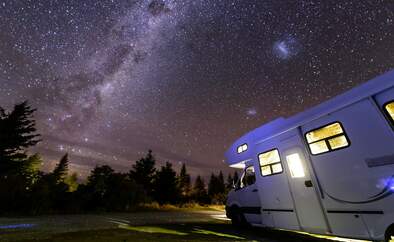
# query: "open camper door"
303, 188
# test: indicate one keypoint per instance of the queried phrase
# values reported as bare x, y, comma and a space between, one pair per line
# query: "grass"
195, 232
174, 224
184, 207
119, 235
127, 233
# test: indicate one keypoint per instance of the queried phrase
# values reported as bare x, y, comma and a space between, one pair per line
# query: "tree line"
25, 189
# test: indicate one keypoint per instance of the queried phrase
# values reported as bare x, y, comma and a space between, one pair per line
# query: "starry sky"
185, 78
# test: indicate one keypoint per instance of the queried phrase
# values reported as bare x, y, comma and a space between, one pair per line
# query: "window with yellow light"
328, 138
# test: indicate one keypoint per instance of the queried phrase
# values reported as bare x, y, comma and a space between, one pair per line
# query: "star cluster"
112, 79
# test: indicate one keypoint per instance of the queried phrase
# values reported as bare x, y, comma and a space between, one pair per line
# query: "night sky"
112, 79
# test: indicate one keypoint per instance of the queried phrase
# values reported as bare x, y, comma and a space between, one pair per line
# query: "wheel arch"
389, 232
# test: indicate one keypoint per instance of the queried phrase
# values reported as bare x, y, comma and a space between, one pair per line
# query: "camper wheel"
390, 234
237, 217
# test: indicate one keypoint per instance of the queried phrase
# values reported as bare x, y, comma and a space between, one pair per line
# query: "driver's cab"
245, 196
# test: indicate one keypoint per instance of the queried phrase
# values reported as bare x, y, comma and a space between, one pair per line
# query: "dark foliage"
165, 185
235, 177
109, 191
24, 189
143, 172
200, 194
60, 172
184, 184
17, 133
216, 188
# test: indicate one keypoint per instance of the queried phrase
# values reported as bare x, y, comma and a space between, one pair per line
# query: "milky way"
112, 79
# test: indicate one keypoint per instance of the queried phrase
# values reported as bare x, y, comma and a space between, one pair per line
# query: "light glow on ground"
335, 238
209, 232
151, 229
220, 217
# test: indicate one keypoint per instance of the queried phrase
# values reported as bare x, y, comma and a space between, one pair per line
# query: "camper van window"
270, 163
248, 177
327, 138
390, 110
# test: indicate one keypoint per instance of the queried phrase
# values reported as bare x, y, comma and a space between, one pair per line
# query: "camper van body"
328, 170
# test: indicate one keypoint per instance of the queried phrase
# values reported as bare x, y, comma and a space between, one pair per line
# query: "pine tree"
17, 133
143, 172
98, 182
184, 182
212, 185
235, 177
165, 185
216, 188
229, 183
60, 172
221, 188
199, 192
17, 169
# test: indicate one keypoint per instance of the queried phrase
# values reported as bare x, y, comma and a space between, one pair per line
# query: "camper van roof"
281, 125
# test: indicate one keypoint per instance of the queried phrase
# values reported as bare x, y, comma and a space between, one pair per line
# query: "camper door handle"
308, 183
255, 190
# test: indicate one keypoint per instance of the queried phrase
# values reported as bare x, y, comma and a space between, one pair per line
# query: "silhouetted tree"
212, 185
17, 170
50, 193
199, 193
24, 189
229, 183
122, 194
97, 186
165, 185
184, 183
235, 177
216, 188
17, 133
143, 172
60, 172
221, 188
109, 191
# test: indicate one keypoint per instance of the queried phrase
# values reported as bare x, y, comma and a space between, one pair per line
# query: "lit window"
327, 138
295, 166
319, 146
390, 109
327, 131
338, 142
242, 148
276, 168
270, 163
265, 170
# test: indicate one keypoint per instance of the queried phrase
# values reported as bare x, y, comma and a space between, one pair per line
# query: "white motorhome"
328, 170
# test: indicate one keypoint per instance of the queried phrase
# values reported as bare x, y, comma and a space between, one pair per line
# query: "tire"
238, 218
389, 237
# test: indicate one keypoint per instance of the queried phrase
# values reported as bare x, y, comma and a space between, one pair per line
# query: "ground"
181, 225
